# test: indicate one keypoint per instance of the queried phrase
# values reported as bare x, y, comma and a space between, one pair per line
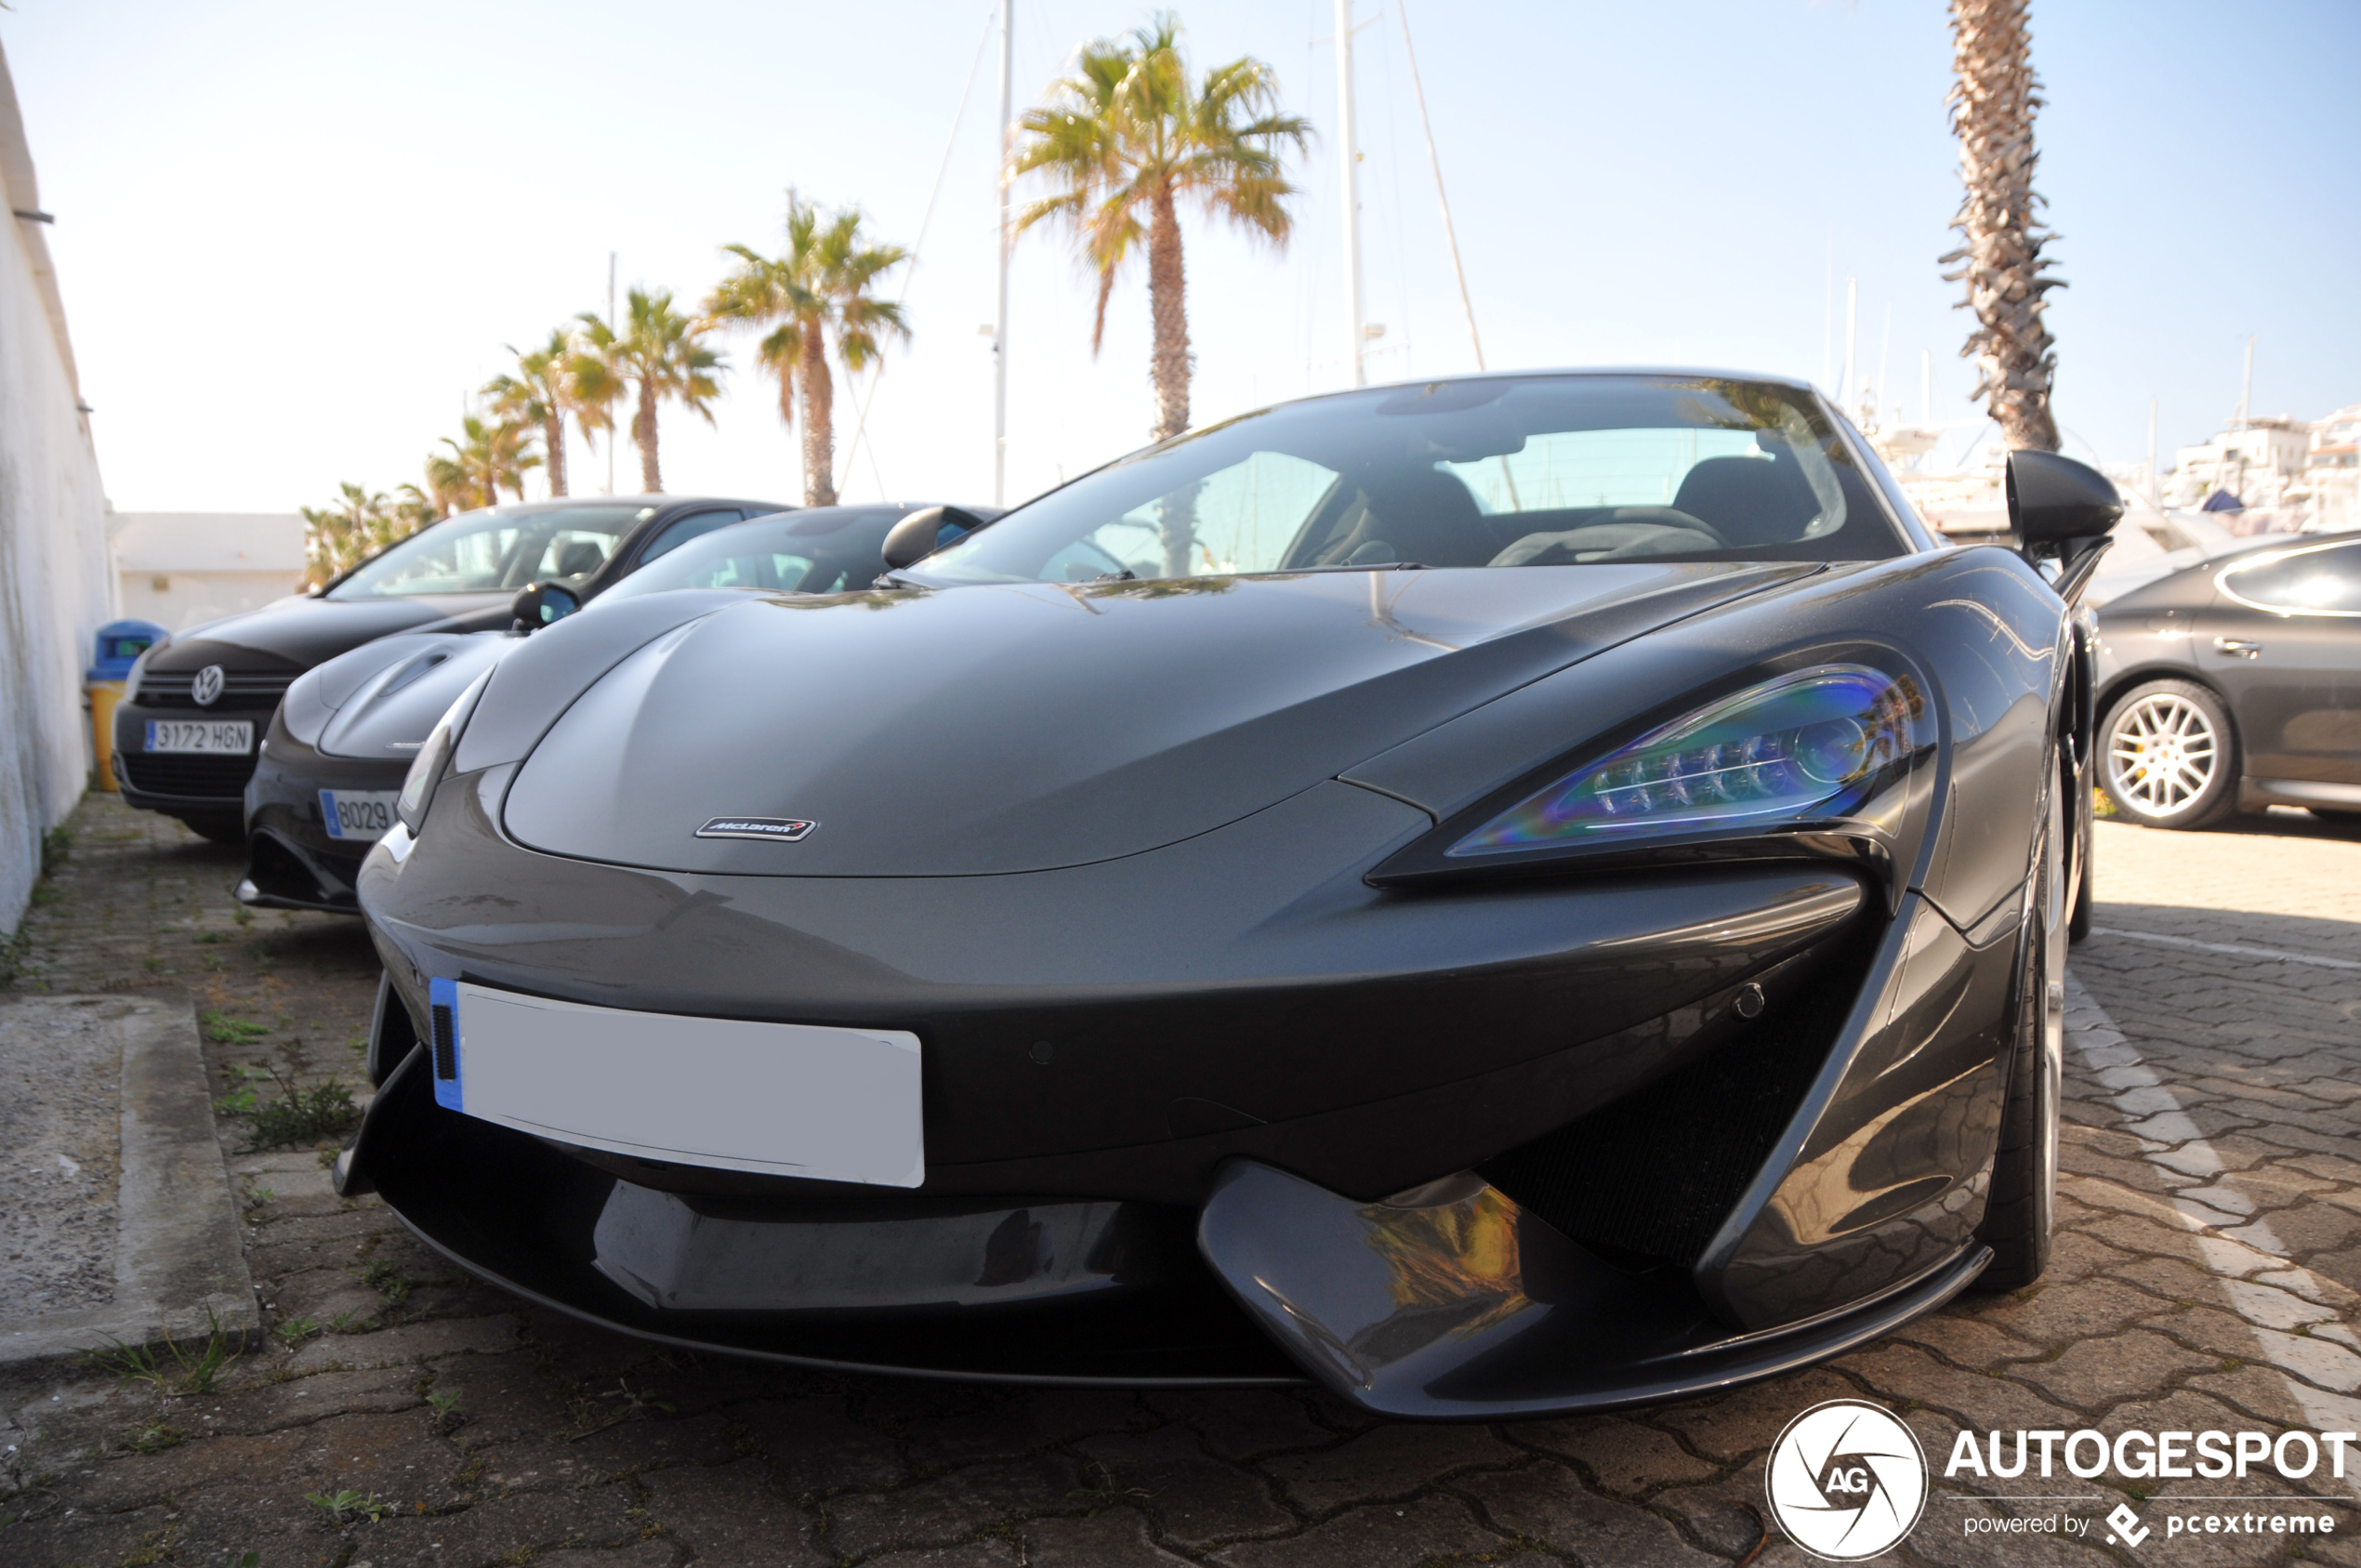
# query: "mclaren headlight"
427, 769
1821, 751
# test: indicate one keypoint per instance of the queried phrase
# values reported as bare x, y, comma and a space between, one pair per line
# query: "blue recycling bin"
120, 643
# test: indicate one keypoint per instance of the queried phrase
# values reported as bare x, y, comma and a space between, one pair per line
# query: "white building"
2257, 462
2330, 491
179, 569
55, 585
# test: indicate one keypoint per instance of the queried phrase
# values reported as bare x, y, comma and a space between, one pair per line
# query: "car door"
2282, 639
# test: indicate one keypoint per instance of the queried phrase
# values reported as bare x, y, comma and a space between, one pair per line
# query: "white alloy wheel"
2163, 755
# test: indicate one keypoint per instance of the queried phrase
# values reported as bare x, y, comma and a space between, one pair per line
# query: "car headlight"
140, 669
1816, 752
1809, 744
434, 757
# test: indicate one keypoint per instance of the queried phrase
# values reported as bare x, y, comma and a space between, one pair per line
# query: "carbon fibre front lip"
1460, 1306
523, 1215
1588, 1337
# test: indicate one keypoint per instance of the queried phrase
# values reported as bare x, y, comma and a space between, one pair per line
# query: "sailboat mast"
1000, 322
1450, 233
1347, 142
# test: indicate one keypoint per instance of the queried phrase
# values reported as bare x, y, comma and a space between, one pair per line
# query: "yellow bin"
120, 645
104, 694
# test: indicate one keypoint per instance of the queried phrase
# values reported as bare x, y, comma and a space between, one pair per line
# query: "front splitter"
1446, 1304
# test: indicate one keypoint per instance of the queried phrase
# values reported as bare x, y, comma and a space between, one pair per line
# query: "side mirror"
539, 604
2055, 500
924, 532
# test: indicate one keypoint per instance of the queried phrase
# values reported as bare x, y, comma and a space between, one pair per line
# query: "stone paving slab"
114, 1203
2205, 1277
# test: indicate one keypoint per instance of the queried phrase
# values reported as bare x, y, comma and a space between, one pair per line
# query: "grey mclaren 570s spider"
1502, 896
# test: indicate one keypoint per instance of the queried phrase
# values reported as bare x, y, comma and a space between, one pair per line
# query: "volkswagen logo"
207, 687
1846, 1481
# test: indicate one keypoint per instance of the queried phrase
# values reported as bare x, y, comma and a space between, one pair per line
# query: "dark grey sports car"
333, 756
1515, 894
2236, 684
196, 703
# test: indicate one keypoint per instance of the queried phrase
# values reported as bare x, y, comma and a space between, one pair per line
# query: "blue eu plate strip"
443, 1008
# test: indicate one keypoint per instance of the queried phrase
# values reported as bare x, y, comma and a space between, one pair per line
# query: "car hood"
380, 700
301, 632
1028, 726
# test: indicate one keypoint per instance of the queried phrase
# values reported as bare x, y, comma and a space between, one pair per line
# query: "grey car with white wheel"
2233, 685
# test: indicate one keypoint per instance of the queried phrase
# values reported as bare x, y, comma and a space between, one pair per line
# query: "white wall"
55, 587
181, 569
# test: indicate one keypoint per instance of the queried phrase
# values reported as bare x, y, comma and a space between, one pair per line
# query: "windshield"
820, 549
495, 550
1504, 471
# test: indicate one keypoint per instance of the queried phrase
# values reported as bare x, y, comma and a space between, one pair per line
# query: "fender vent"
1655, 1174
446, 1045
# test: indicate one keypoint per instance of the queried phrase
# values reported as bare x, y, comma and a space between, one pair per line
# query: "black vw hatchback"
196, 703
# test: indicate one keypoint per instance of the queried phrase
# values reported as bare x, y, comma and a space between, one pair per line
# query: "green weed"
295, 1331
387, 1279
344, 1506
153, 1438
298, 1115
177, 1371
223, 1030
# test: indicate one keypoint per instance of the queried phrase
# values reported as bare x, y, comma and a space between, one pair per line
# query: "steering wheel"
1669, 517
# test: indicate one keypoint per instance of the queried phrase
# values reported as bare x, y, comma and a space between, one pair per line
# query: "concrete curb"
180, 1264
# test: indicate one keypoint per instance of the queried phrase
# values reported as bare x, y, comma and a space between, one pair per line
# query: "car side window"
681, 529
2322, 581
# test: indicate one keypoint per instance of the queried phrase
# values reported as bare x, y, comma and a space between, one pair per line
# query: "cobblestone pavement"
2204, 1278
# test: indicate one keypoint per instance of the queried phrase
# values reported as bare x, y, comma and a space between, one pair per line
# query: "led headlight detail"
1807, 747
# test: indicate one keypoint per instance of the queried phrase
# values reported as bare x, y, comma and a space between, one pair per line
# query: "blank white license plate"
786, 1099
200, 734
363, 814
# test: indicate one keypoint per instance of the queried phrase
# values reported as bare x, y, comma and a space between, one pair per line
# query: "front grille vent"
193, 776
247, 688
1656, 1173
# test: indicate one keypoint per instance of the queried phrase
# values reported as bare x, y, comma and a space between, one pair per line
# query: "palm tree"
493, 454
817, 289
1993, 102
1125, 139
542, 391
593, 375
357, 524
659, 353
448, 487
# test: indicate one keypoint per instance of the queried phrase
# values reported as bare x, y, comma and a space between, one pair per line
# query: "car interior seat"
1749, 500
581, 557
1420, 515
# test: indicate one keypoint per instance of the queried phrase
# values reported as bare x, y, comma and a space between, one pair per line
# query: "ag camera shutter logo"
1846, 1481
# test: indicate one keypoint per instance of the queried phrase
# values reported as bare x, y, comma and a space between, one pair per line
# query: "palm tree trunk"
819, 427
643, 430
1168, 307
553, 439
1993, 102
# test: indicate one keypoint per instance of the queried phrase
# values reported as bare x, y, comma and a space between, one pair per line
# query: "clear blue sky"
293, 233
